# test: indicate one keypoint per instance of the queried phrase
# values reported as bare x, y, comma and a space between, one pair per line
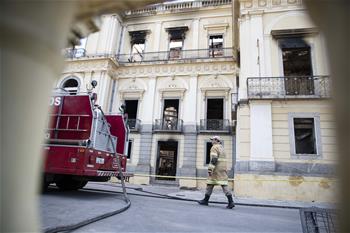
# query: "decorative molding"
131, 93
225, 67
221, 26
215, 91
172, 92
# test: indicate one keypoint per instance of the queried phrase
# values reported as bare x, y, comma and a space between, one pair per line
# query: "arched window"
71, 85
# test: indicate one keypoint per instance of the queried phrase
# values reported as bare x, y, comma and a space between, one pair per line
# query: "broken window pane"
304, 133
216, 46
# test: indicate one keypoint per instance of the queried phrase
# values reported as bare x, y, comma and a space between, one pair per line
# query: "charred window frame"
216, 45
170, 113
131, 106
305, 136
297, 66
138, 42
176, 41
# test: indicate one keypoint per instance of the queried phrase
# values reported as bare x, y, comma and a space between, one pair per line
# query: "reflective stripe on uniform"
222, 160
217, 182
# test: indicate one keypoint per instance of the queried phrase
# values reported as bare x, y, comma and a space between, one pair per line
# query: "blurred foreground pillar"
333, 17
32, 35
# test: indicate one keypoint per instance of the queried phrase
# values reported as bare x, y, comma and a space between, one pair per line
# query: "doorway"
167, 160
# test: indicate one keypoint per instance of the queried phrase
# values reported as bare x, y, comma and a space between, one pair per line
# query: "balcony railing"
214, 125
179, 55
134, 124
176, 6
164, 125
74, 53
289, 87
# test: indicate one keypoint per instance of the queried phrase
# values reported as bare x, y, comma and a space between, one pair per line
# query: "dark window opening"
297, 66
131, 110
129, 149
167, 160
170, 114
71, 85
216, 43
215, 114
208, 147
304, 133
138, 39
176, 41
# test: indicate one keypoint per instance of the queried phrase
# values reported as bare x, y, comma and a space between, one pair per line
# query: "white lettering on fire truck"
56, 101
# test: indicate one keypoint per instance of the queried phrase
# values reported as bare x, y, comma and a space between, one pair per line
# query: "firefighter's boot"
231, 204
204, 201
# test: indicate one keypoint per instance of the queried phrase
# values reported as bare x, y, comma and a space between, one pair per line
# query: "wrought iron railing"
179, 55
134, 124
292, 87
215, 125
165, 125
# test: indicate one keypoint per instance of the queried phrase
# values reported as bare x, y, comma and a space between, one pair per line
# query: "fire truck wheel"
70, 184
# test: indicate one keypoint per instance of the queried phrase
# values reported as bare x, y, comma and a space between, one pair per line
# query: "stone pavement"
218, 196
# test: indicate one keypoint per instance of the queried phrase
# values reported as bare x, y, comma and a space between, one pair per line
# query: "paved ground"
149, 214
160, 215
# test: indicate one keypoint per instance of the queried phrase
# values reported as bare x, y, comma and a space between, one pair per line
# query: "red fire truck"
82, 143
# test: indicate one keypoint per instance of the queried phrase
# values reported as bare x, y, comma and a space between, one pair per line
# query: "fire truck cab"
81, 142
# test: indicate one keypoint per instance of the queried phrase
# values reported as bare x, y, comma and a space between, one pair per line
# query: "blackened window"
215, 114
176, 41
304, 133
131, 110
129, 149
138, 39
297, 66
207, 153
216, 45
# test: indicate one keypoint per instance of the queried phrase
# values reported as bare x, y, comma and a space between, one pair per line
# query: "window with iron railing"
297, 66
216, 45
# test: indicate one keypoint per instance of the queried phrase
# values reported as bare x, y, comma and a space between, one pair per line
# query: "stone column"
144, 163
188, 168
33, 34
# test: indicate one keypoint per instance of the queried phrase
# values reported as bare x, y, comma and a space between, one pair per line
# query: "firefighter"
217, 173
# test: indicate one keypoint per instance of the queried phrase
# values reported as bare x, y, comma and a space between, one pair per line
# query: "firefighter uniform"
217, 173
217, 166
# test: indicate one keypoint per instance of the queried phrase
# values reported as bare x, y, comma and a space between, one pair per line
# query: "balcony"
178, 55
215, 125
134, 125
168, 126
289, 87
176, 7
74, 53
